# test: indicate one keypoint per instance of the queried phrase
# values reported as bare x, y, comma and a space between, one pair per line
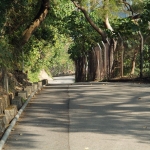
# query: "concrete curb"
13, 122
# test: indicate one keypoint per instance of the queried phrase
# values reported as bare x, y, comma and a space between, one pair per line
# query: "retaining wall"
9, 104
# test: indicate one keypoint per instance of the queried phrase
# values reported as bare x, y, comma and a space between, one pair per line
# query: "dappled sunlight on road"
97, 116
118, 112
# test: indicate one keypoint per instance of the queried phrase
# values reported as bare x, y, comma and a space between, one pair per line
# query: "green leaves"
5, 53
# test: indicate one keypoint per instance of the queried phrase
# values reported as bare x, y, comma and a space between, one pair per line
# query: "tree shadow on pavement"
107, 109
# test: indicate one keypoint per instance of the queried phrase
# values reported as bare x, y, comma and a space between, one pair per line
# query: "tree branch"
128, 6
106, 8
99, 30
37, 21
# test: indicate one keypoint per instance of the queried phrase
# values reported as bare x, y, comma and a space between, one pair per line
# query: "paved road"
89, 116
62, 80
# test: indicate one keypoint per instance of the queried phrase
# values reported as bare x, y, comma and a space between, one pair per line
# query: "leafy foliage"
66, 29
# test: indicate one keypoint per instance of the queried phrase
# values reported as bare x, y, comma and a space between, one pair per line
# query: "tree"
109, 44
130, 25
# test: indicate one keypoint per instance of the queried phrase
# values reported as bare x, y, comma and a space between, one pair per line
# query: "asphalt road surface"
85, 116
62, 80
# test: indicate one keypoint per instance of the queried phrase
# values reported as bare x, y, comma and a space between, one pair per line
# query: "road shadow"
104, 108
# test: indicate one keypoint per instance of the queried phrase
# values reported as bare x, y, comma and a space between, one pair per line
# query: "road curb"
13, 122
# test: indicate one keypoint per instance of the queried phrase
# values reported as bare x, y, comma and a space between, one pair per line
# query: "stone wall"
10, 104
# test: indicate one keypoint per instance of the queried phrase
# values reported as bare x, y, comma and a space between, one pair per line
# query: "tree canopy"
36, 34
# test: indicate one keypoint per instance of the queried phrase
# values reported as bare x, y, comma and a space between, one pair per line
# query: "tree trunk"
133, 62
76, 70
107, 55
105, 59
101, 62
97, 63
91, 65
122, 54
112, 48
80, 69
37, 21
89, 72
141, 54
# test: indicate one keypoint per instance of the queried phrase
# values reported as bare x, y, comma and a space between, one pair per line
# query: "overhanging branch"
129, 8
37, 21
99, 30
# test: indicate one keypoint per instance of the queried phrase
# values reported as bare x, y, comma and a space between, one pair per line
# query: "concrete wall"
10, 104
